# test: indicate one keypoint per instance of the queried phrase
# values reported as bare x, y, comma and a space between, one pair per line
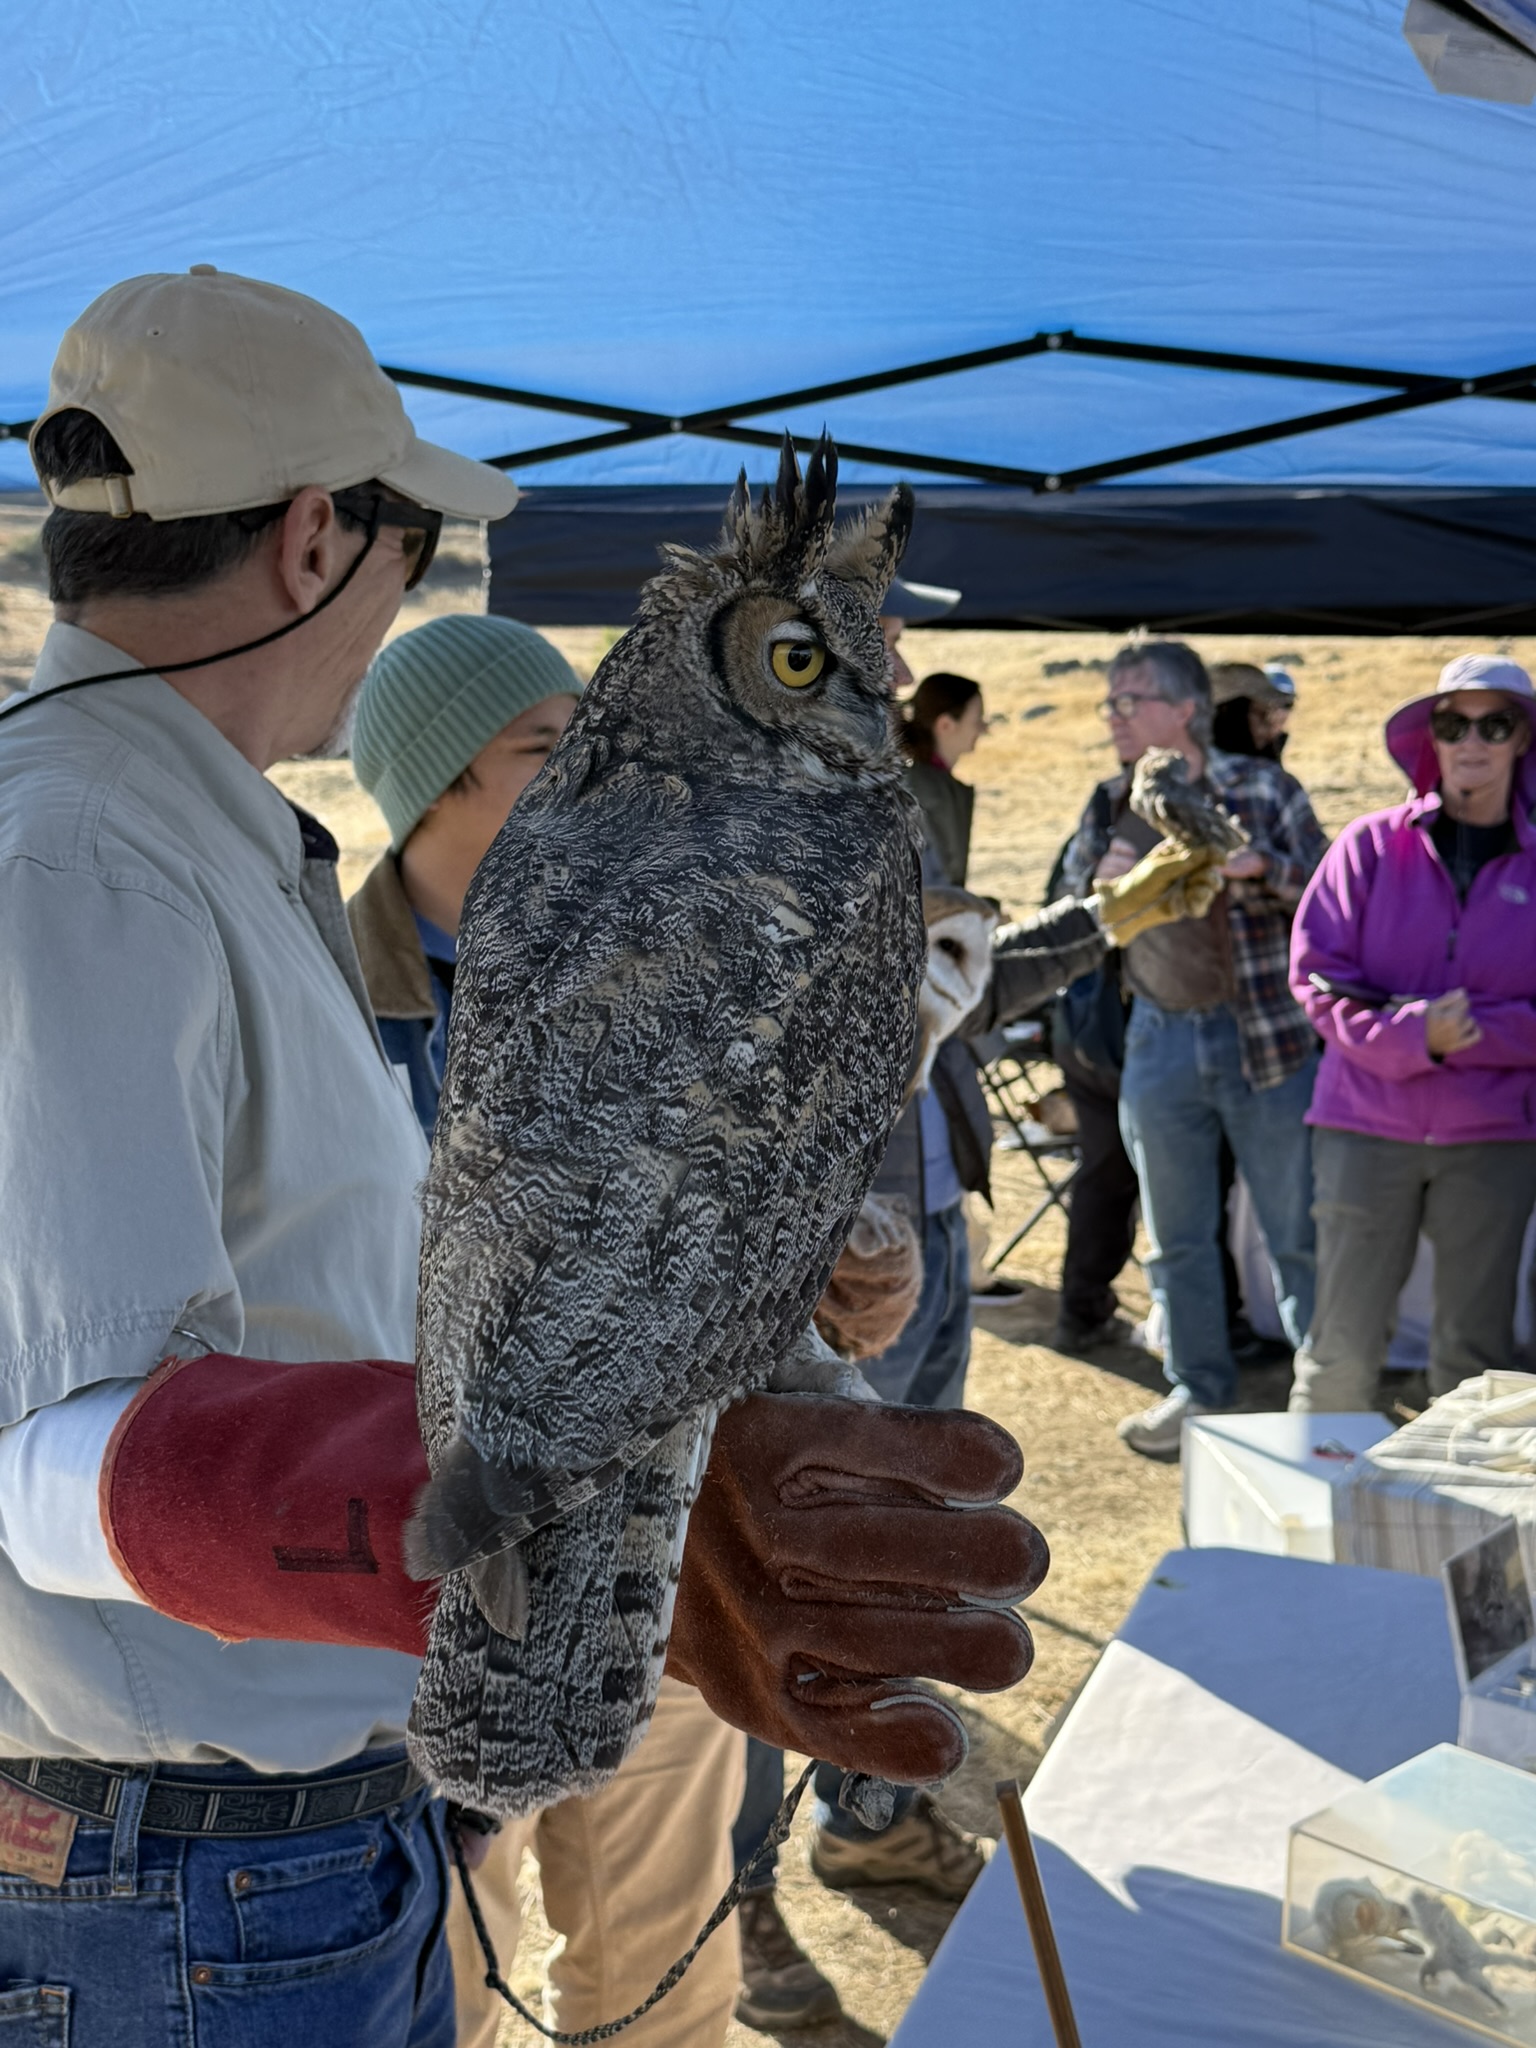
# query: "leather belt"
191, 1806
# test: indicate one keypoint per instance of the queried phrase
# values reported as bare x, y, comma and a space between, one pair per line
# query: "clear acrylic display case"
1423, 1883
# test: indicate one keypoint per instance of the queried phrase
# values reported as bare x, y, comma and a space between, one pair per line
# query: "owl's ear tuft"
786, 491
738, 513
786, 533
866, 551
821, 485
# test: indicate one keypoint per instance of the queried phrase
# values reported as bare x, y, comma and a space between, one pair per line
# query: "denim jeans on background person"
759, 1803
260, 1941
924, 1368
1183, 1086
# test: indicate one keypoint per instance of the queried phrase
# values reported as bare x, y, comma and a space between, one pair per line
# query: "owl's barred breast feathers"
683, 1018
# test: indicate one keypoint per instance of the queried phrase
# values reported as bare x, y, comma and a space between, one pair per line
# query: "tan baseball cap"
225, 394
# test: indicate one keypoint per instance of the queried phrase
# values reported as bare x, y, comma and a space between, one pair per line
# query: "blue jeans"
268, 1941
1182, 1087
925, 1367
760, 1801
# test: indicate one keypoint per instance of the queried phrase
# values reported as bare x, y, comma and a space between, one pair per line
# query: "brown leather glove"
837, 1545
875, 1284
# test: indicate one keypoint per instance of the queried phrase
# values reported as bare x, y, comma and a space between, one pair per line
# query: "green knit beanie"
438, 694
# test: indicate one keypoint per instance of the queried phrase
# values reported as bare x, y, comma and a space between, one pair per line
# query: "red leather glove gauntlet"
255, 1499
836, 1544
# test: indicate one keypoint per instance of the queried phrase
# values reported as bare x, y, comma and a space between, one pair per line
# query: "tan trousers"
629, 1877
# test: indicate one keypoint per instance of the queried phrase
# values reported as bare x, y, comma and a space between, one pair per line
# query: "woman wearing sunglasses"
1414, 951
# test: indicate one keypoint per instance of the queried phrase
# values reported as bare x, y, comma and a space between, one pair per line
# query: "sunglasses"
421, 528
1123, 705
1495, 728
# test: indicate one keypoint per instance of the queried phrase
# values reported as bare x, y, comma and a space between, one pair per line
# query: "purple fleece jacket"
1382, 912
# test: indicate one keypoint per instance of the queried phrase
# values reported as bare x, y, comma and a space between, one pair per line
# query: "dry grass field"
1108, 1515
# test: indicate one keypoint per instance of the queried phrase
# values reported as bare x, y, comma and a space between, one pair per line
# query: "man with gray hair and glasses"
1216, 1044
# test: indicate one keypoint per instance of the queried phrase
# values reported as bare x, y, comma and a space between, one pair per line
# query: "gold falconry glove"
1169, 883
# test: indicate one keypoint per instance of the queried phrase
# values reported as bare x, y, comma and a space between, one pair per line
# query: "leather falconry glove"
875, 1284
839, 1549
258, 1499
1167, 884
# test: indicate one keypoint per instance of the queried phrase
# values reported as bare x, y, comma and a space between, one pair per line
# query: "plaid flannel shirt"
1275, 812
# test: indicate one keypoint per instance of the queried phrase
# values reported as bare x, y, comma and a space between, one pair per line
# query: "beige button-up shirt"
198, 1130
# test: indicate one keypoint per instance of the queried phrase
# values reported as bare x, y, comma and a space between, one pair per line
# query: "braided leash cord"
734, 1893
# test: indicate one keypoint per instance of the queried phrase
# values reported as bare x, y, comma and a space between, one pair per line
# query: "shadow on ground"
842, 2032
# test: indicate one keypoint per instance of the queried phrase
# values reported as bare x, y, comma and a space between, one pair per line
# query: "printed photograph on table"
1490, 1601
1423, 1883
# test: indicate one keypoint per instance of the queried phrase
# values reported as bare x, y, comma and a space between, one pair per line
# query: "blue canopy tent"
1180, 311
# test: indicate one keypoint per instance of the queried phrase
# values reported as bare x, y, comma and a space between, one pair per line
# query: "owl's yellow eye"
797, 662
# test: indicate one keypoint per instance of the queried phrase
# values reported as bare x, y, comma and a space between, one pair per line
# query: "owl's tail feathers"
474, 1510
471, 1508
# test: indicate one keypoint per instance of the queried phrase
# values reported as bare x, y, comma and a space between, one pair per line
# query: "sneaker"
1159, 1432
998, 1293
923, 1849
780, 1985
1074, 1337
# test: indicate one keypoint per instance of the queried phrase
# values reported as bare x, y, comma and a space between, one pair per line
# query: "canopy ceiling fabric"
681, 208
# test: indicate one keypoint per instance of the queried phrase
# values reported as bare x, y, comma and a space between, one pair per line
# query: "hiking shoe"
780, 1985
997, 1293
1159, 1432
923, 1849
1074, 1338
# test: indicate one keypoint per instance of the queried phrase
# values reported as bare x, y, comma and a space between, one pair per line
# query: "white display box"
1493, 1632
1267, 1482
1423, 1883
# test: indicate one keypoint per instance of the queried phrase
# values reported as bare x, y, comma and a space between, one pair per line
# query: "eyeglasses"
1495, 728
1123, 703
421, 526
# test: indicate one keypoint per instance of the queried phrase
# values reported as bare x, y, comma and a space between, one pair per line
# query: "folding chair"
1008, 1060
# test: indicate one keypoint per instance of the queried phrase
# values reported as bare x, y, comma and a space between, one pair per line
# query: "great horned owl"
1164, 798
684, 1015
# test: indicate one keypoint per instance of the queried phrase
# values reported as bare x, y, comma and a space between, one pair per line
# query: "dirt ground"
1108, 1515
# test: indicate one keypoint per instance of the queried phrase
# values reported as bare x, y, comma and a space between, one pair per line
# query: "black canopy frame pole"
1404, 391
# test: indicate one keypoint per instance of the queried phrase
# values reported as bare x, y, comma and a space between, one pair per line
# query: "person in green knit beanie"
454, 720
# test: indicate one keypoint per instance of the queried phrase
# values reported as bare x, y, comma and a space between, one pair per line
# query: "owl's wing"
651, 1146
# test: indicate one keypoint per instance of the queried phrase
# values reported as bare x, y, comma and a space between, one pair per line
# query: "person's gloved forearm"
252, 1498
840, 1549
1169, 883
830, 1537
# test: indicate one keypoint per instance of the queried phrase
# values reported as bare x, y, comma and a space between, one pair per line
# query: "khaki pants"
1374, 1196
629, 1877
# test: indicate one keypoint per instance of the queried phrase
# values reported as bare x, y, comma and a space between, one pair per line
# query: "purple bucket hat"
1408, 736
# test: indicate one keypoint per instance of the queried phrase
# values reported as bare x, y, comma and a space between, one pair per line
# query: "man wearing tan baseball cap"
209, 1160
209, 1826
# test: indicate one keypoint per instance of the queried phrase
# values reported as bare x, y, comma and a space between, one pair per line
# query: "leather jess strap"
191, 1806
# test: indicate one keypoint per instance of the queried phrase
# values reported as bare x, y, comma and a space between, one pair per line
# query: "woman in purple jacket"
1414, 951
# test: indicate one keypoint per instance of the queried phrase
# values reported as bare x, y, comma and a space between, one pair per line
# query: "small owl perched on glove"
1164, 798
683, 1021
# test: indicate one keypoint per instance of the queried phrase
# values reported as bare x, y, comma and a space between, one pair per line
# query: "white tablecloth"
1243, 1693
